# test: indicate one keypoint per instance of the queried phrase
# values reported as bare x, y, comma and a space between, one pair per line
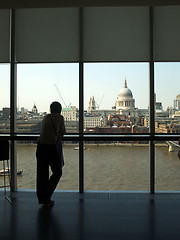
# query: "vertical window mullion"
81, 103
13, 105
151, 101
81, 123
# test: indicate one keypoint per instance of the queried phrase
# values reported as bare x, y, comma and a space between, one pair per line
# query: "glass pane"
117, 166
167, 167
5, 98
26, 163
167, 98
38, 85
116, 98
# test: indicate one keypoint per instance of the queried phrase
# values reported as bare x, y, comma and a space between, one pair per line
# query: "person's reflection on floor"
47, 225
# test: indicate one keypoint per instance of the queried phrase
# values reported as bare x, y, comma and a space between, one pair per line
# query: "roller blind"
116, 34
47, 35
5, 36
167, 33
109, 34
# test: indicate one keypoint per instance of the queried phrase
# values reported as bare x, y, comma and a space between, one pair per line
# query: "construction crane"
98, 105
61, 97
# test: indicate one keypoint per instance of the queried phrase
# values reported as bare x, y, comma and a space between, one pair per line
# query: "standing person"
47, 154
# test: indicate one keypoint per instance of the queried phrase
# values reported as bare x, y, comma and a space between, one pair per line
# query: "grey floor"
93, 215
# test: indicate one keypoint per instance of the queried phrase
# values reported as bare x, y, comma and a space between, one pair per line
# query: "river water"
106, 167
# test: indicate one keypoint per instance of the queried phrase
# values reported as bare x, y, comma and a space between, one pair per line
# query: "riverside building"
69, 114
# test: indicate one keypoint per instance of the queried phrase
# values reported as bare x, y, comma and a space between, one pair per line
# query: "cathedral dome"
125, 99
125, 92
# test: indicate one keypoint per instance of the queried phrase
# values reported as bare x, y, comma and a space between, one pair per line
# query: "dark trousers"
47, 156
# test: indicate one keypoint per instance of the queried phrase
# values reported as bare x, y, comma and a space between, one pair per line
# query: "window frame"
82, 137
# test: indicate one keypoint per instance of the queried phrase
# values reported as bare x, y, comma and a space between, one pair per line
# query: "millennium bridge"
172, 145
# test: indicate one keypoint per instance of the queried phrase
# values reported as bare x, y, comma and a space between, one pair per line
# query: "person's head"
55, 107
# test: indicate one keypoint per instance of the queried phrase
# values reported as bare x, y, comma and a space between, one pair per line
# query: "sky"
37, 84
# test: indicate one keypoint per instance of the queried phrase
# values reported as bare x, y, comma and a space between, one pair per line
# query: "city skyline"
36, 84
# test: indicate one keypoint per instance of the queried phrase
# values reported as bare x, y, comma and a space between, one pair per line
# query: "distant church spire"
34, 109
92, 104
125, 83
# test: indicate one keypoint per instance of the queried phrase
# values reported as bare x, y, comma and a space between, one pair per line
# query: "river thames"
106, 167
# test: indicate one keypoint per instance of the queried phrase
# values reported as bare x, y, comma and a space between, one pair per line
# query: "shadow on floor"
93, 215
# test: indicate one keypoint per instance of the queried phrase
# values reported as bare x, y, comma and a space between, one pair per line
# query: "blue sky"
36, 83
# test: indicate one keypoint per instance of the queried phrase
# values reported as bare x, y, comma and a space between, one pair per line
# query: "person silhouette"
47, 154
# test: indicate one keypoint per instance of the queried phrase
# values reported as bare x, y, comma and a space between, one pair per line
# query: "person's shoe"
49, 204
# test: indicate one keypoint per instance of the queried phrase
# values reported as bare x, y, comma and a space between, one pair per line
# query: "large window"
41, 84
26, 166
117, 166
114, 100
167, 167
167, 98
5, 98
167, 121
107, 66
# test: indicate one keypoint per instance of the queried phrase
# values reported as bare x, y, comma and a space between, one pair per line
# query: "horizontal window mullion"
72, 137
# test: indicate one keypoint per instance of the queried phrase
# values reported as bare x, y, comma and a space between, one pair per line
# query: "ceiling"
6, 4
